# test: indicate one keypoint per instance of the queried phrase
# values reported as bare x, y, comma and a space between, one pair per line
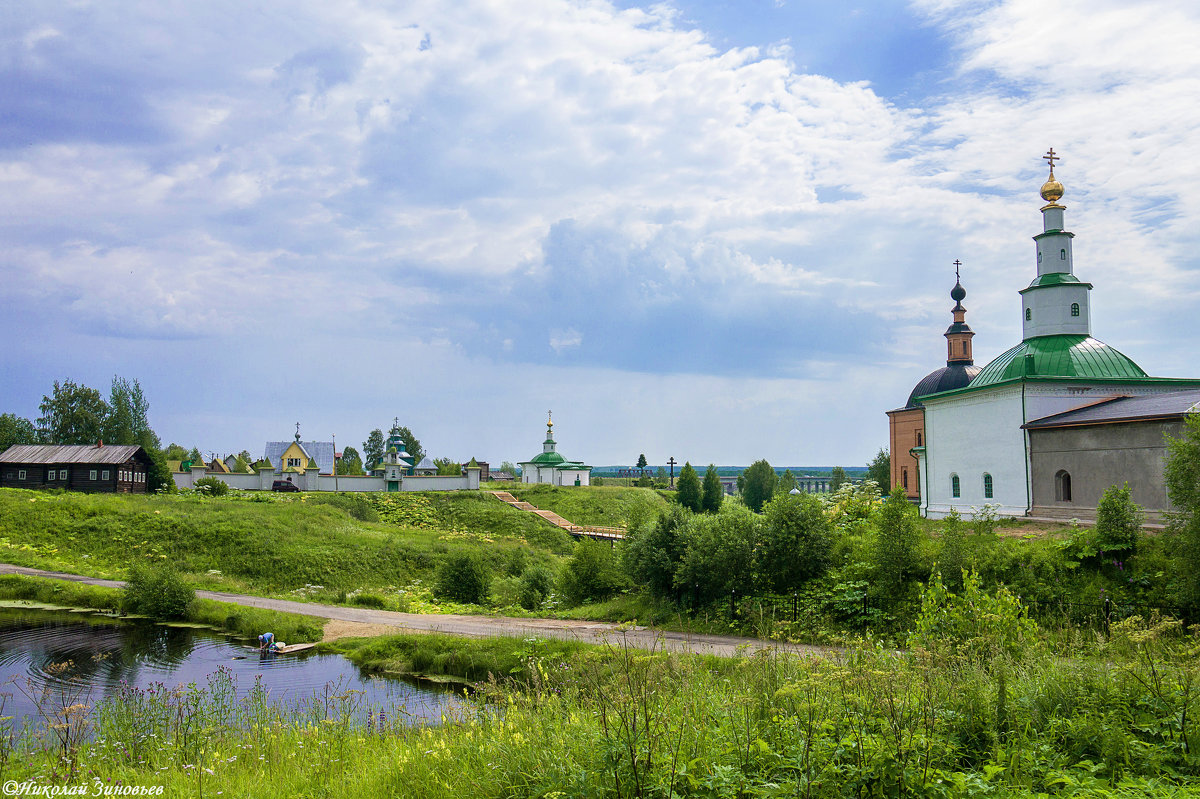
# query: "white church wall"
972, 435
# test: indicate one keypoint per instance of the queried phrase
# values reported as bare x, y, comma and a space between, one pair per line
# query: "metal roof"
947, 378
70, 453
320, 451
1058, 356
1172, 404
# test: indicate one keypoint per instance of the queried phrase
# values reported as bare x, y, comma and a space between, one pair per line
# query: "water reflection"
44, 650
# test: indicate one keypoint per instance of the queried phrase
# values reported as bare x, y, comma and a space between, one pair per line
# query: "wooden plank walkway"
577, 530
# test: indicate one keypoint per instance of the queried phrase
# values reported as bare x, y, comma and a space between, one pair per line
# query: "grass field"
608, 506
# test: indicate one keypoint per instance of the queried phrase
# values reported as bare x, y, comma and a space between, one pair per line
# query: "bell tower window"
1062, 255
1028, 314
1074, 309
955, 486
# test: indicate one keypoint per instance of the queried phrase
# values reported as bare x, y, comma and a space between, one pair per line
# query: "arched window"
1028, 314
955, 487
920, 440
904, 478
987, 486
1062, 255
964, 348
1039, 256
1074, 309
1062, 486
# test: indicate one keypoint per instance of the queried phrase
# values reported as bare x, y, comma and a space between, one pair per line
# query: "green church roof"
1058, 356
548, 458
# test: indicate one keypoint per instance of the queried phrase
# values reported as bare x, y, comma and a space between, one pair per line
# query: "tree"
1118, 521
712, 492
758, 486
372, 447
1183, 487
641, 462
126, 422
880, 470
195, 456
895, 551
718, 555
351, 462
411, 444
654, 549
509, 466
660, 474
445, 466
592, 573
16, 430
952, 557
795, 541
240, 466
837, 478
687, 489
787, 481
175, 452
158, 476
73, 414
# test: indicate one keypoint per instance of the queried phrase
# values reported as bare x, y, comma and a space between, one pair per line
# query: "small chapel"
549, 466
1048, 425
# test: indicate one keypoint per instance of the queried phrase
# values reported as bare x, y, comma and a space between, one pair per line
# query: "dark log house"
93, 468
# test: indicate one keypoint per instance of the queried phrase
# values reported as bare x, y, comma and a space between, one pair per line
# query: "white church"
550, 466
1045, 427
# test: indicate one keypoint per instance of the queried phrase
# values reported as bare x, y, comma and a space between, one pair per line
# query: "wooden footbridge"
577, 530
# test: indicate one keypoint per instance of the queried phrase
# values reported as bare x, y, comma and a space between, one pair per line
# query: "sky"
710, 230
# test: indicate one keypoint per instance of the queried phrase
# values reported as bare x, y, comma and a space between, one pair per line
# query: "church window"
1062, 255
964, 348
1028, 314
1039, 256
919, 439
904, 478
1074, 309
987, 486
1062, 486
955, 486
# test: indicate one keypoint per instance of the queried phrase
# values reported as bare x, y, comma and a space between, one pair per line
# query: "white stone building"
551, 467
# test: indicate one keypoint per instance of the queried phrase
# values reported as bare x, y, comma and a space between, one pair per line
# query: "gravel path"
483, 626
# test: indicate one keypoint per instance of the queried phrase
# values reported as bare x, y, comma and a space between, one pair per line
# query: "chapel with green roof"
999, 438
550, 466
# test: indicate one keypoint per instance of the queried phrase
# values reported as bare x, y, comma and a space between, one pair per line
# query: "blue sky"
710, 230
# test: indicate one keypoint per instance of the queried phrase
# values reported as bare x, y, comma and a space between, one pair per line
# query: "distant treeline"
854, 472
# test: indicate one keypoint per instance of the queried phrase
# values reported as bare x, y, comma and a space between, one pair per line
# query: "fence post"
795, 606
732, 604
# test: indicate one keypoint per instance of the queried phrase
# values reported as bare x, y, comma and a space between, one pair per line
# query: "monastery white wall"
970, 435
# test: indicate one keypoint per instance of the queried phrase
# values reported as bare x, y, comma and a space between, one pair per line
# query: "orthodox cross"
297, 431
957, 264
671, 462
1051, 157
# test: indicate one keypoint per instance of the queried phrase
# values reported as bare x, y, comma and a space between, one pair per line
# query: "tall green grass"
607, 506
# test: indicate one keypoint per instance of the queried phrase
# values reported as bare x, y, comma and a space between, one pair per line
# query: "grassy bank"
241, 621
608, 506
271, 544
1069, 717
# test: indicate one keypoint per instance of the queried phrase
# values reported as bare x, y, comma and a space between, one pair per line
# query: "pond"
91, 656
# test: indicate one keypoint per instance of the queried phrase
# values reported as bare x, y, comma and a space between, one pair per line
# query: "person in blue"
265, 641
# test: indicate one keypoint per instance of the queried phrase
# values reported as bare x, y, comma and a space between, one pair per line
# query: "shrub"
356, 506
795, 542
952, 557
369, 601
1118, 521
463, 578
592, 573
158, 593
213, 486
895, 552
536, 584
973, 622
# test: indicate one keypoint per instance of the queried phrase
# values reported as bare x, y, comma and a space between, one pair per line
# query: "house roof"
1170, 405
320, 451
71, 453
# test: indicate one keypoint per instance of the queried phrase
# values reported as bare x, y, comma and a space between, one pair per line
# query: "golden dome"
1052, 190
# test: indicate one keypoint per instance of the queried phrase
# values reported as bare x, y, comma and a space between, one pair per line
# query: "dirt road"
479, 626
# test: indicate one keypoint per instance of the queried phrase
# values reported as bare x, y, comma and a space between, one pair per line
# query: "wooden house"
93, 468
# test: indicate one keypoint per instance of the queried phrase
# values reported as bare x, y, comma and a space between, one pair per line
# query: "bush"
536, 584
592, 573
463, 578
972, 622
213, 486
795, 541
1118, 521
157, 593
358, 507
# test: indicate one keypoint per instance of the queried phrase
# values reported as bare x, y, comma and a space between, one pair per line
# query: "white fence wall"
311, 481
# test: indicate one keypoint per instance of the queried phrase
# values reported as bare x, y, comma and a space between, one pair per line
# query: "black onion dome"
958, 293
947, 378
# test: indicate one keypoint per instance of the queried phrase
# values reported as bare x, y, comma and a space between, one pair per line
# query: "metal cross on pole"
671, 462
